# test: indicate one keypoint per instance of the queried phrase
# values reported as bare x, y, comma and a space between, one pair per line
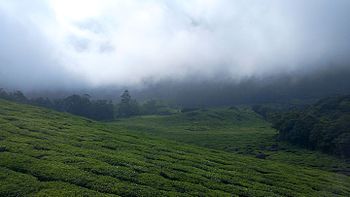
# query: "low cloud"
72, 44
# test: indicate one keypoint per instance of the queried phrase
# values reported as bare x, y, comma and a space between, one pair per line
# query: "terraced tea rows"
45, 153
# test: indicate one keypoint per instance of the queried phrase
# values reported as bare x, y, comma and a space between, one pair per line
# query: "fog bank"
71, 45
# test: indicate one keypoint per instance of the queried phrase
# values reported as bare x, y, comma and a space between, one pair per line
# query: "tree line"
323, 126
101, 110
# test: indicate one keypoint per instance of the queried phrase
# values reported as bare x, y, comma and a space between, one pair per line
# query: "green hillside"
234, 130
45, 153
224, 129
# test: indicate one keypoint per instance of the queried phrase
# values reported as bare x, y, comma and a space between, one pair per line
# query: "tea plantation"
46, 153
235, 130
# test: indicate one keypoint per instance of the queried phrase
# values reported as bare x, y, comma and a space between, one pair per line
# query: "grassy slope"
229, 130
44, 153
237, 130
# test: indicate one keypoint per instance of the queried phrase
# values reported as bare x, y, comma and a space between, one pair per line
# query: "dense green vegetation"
101, 110
324, 126
46, 153
74, 104
129, 107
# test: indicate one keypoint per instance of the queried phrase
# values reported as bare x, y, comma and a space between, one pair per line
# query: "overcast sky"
92, 43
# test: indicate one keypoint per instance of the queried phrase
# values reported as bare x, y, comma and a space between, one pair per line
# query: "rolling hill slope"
45, 153
235, 130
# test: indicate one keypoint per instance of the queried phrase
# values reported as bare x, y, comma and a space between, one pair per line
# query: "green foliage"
127, 106
235, 130
47, 153
16, 96
101, 110
324, 126
83, 106
74, 104
225, 129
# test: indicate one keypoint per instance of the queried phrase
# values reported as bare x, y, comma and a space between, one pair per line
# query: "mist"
61, 45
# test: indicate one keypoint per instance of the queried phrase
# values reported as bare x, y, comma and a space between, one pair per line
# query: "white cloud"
117, 42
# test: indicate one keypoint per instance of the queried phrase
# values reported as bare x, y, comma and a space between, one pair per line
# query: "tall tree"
126, 98
127, 107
